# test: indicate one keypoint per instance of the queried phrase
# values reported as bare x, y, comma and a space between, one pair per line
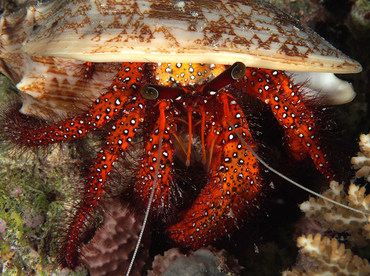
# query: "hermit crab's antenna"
290, 180
147, 209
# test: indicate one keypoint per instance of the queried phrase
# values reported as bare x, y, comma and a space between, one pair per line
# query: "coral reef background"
33, 190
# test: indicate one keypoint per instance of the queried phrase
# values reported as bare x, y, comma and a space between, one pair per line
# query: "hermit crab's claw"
234, 181
234, 178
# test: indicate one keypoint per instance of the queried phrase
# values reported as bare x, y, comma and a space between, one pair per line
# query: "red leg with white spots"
166, 187
118, 140
298, 121
233, 186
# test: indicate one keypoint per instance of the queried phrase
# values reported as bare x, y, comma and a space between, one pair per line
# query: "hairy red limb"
174, 93
166, 187
119, 138
297, 119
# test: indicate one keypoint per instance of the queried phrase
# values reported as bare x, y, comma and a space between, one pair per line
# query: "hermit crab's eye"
233, 73
149, 92
153, 92
237, 70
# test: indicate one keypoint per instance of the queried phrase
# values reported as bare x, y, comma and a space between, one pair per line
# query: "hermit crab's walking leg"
119, 138
298, 121
234, 181
99, 114
166, 187
121, 94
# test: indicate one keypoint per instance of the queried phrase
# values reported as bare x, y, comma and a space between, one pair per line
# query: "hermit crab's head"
46, 44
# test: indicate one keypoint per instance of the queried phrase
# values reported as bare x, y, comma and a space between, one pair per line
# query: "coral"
111, 249
30, 206
362, 161
359, 18
325, 256
338, 218
205, 261
27, 215
161, 263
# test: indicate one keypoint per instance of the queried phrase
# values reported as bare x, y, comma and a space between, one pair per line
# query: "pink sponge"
111, 249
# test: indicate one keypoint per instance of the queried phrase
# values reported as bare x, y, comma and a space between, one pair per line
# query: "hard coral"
327, 257
362, 161
338, 218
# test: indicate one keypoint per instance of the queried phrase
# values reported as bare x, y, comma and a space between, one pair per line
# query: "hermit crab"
185, 71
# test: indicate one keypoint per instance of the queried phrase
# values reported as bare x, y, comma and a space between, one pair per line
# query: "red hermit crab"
185, 70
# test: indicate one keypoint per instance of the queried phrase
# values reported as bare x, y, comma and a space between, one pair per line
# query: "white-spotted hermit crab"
185, 70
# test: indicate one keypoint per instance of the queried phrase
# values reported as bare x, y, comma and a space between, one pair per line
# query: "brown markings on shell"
184, 31
15, 27
57, 88
219, 31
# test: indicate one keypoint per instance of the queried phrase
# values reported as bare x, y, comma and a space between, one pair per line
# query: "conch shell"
45, 46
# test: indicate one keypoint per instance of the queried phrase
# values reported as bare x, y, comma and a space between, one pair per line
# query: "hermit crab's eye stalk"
153, 92
233, 73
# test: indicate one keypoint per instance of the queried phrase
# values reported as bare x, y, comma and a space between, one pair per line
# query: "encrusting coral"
327, 256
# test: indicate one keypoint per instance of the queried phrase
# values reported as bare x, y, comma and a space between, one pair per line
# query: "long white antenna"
147, 208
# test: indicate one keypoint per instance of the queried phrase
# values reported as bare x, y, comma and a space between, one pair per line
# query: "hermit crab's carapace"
185, 69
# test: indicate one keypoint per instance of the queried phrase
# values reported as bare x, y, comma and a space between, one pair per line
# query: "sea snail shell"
43, 46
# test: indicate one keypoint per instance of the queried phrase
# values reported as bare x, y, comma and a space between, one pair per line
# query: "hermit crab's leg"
166, 187
119, 138
156, 170
99, 114
298, 121
233, 186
